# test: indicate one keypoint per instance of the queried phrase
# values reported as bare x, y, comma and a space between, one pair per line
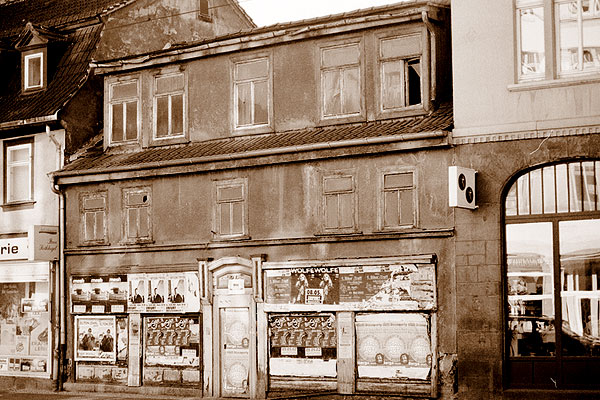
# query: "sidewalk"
25, 394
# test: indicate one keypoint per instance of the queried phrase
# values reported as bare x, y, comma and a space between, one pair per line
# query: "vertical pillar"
205, 285
134, 368
345, 352
261, 327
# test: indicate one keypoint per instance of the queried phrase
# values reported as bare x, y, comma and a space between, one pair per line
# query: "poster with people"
167, 292
95, 338
314, 285
172, 341
393, 346
99, 294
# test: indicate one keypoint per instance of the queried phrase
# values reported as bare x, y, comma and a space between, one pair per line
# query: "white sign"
235, 286
14, 249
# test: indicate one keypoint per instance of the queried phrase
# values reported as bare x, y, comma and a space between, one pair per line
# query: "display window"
172, 350
24, 328
303, 345
393, 346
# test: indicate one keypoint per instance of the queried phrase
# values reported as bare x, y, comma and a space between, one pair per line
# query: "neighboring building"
267, 214
48, 109
527, 118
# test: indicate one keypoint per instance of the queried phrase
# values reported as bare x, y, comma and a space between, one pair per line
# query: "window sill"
338, 233
134, 242
93, 244
18, 205
252, 130
554, 83
408, 111
154, 142
239, 238
342, 119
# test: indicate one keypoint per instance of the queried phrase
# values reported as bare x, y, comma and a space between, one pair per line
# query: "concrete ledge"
26, 383
143, 390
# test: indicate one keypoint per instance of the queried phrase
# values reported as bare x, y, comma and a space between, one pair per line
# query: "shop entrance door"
236, 345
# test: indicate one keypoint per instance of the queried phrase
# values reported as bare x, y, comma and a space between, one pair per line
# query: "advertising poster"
236, 350
122, 339
99, 294
303, 345
393, 346
160, 293
235, 372
95, 338
278, 286
172, 341
314, 285
24, 328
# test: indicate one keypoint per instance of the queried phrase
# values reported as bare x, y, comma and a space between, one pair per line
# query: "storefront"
137, 329
25, 291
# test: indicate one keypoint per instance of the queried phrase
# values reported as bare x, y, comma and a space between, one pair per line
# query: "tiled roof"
51, 13
70, 73
239, 147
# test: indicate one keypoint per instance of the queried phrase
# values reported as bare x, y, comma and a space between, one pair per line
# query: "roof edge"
30, 121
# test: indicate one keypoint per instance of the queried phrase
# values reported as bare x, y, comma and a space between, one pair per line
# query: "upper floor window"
203, 10
33, 71
18, 167
576, 27
93, 208
397, 201
137, 208
340, 80
169, 106
231, 208
400, 69
251, 93
339, 197
124, 111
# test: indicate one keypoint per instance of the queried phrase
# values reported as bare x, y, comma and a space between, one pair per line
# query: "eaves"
30, 121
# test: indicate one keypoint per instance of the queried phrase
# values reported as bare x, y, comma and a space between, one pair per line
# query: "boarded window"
230, 213
251, 93
338, 198
169, 106
340, 80
398, 208
137, 208
124, 112
93, 217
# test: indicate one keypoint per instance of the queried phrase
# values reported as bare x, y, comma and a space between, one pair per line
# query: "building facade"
267, 214
527, 118
49, 107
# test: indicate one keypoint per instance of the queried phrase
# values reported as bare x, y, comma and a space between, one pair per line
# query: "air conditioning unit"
461, 187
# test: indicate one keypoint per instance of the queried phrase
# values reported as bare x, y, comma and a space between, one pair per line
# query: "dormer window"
34, 71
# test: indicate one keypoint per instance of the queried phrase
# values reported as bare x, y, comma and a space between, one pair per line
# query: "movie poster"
99, 294
95, 338
168, 292
393, 346
314, 285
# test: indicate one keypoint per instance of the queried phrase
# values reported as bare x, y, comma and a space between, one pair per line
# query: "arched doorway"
552, 271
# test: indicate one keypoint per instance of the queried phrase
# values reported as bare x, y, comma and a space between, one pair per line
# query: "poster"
172, 341
160, 293
95, 338
314, 285
302, 345
405, 286
393, 346
236, 350
24, 328
99, 294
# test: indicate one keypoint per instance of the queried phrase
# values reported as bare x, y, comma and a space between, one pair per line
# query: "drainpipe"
59, 365
431, 49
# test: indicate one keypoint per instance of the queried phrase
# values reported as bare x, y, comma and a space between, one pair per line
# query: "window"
397, 206
93, 217
169, 106
18, 167
340, 80
34, 71
137, 204
203, 10
123, 111
231, 208
400, 68
251, 93
339, 203
552, 217
576, 27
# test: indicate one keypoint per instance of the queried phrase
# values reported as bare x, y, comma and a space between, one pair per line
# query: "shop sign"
406, 286
99, 294
393, 346
14, 249
168, 292
94, 338
43, 243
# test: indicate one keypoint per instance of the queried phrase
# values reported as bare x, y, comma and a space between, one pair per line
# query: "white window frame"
10, 165
381, 194
252, 82
26, 61
84, 213
124, 101
552, 63
146, 190
339, 68
238, 182
325, 193
156, 96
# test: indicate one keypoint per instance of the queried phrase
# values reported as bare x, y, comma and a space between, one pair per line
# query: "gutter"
30, 121
258, 153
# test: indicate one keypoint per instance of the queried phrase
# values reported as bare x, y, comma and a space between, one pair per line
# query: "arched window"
552, 247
